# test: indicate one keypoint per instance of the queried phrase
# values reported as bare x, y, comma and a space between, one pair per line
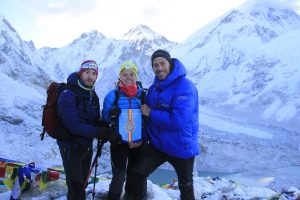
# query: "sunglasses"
89, 65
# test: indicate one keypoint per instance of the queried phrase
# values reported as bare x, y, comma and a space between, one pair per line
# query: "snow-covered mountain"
24, 68
248, 60
18, 57
244, 65
136, 45
21, 94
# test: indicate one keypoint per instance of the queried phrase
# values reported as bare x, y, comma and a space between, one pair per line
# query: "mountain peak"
93, 34
252, 5
90, 37
274, 12
4, 24
141, 32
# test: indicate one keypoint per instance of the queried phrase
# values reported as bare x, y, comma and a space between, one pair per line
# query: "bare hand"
145, 109
135, 144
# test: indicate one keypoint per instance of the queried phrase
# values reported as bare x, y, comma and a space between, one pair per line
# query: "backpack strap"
75, 91
96, 98
142, 97
42, 135
117, 97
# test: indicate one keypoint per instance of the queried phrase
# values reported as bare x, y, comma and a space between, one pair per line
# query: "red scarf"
129, 90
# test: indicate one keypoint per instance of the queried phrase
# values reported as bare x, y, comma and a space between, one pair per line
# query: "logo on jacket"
181, 98
165, 105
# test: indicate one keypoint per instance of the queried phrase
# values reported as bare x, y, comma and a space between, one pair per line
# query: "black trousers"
136, 184
122, 158
77, 163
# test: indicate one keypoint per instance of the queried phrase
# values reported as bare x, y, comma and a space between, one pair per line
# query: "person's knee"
118, 174
136, 173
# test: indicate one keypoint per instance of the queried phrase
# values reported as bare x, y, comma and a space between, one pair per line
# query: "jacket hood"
73, 78
73, 81
177, 72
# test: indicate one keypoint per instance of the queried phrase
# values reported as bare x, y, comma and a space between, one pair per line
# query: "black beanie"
161, 53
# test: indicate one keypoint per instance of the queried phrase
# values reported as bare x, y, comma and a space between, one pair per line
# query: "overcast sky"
56, 23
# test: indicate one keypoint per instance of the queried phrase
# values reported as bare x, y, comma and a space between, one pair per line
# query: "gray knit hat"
161, 53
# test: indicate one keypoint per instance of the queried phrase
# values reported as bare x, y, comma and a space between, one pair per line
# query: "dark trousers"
136, 184
76, 164
122, 158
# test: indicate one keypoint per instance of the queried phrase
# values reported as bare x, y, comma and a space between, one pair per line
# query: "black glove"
101, 123
102, 133
115, 138
107, 134
114, 112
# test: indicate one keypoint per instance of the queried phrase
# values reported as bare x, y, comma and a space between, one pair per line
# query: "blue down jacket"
123, 102
174, 118
79, 116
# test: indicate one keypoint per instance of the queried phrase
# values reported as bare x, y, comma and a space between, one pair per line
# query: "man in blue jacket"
172, 110
79, 112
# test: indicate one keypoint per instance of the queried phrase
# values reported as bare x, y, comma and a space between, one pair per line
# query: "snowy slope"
247, 60
244, 64
25, 68
17, 57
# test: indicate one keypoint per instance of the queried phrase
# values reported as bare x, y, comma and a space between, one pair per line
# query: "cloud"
151, 11
57, 22
115, 17
53, 7
294, 4
280, 4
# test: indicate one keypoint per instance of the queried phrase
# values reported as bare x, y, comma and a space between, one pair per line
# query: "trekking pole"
95, 163
95, 175
99, 148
